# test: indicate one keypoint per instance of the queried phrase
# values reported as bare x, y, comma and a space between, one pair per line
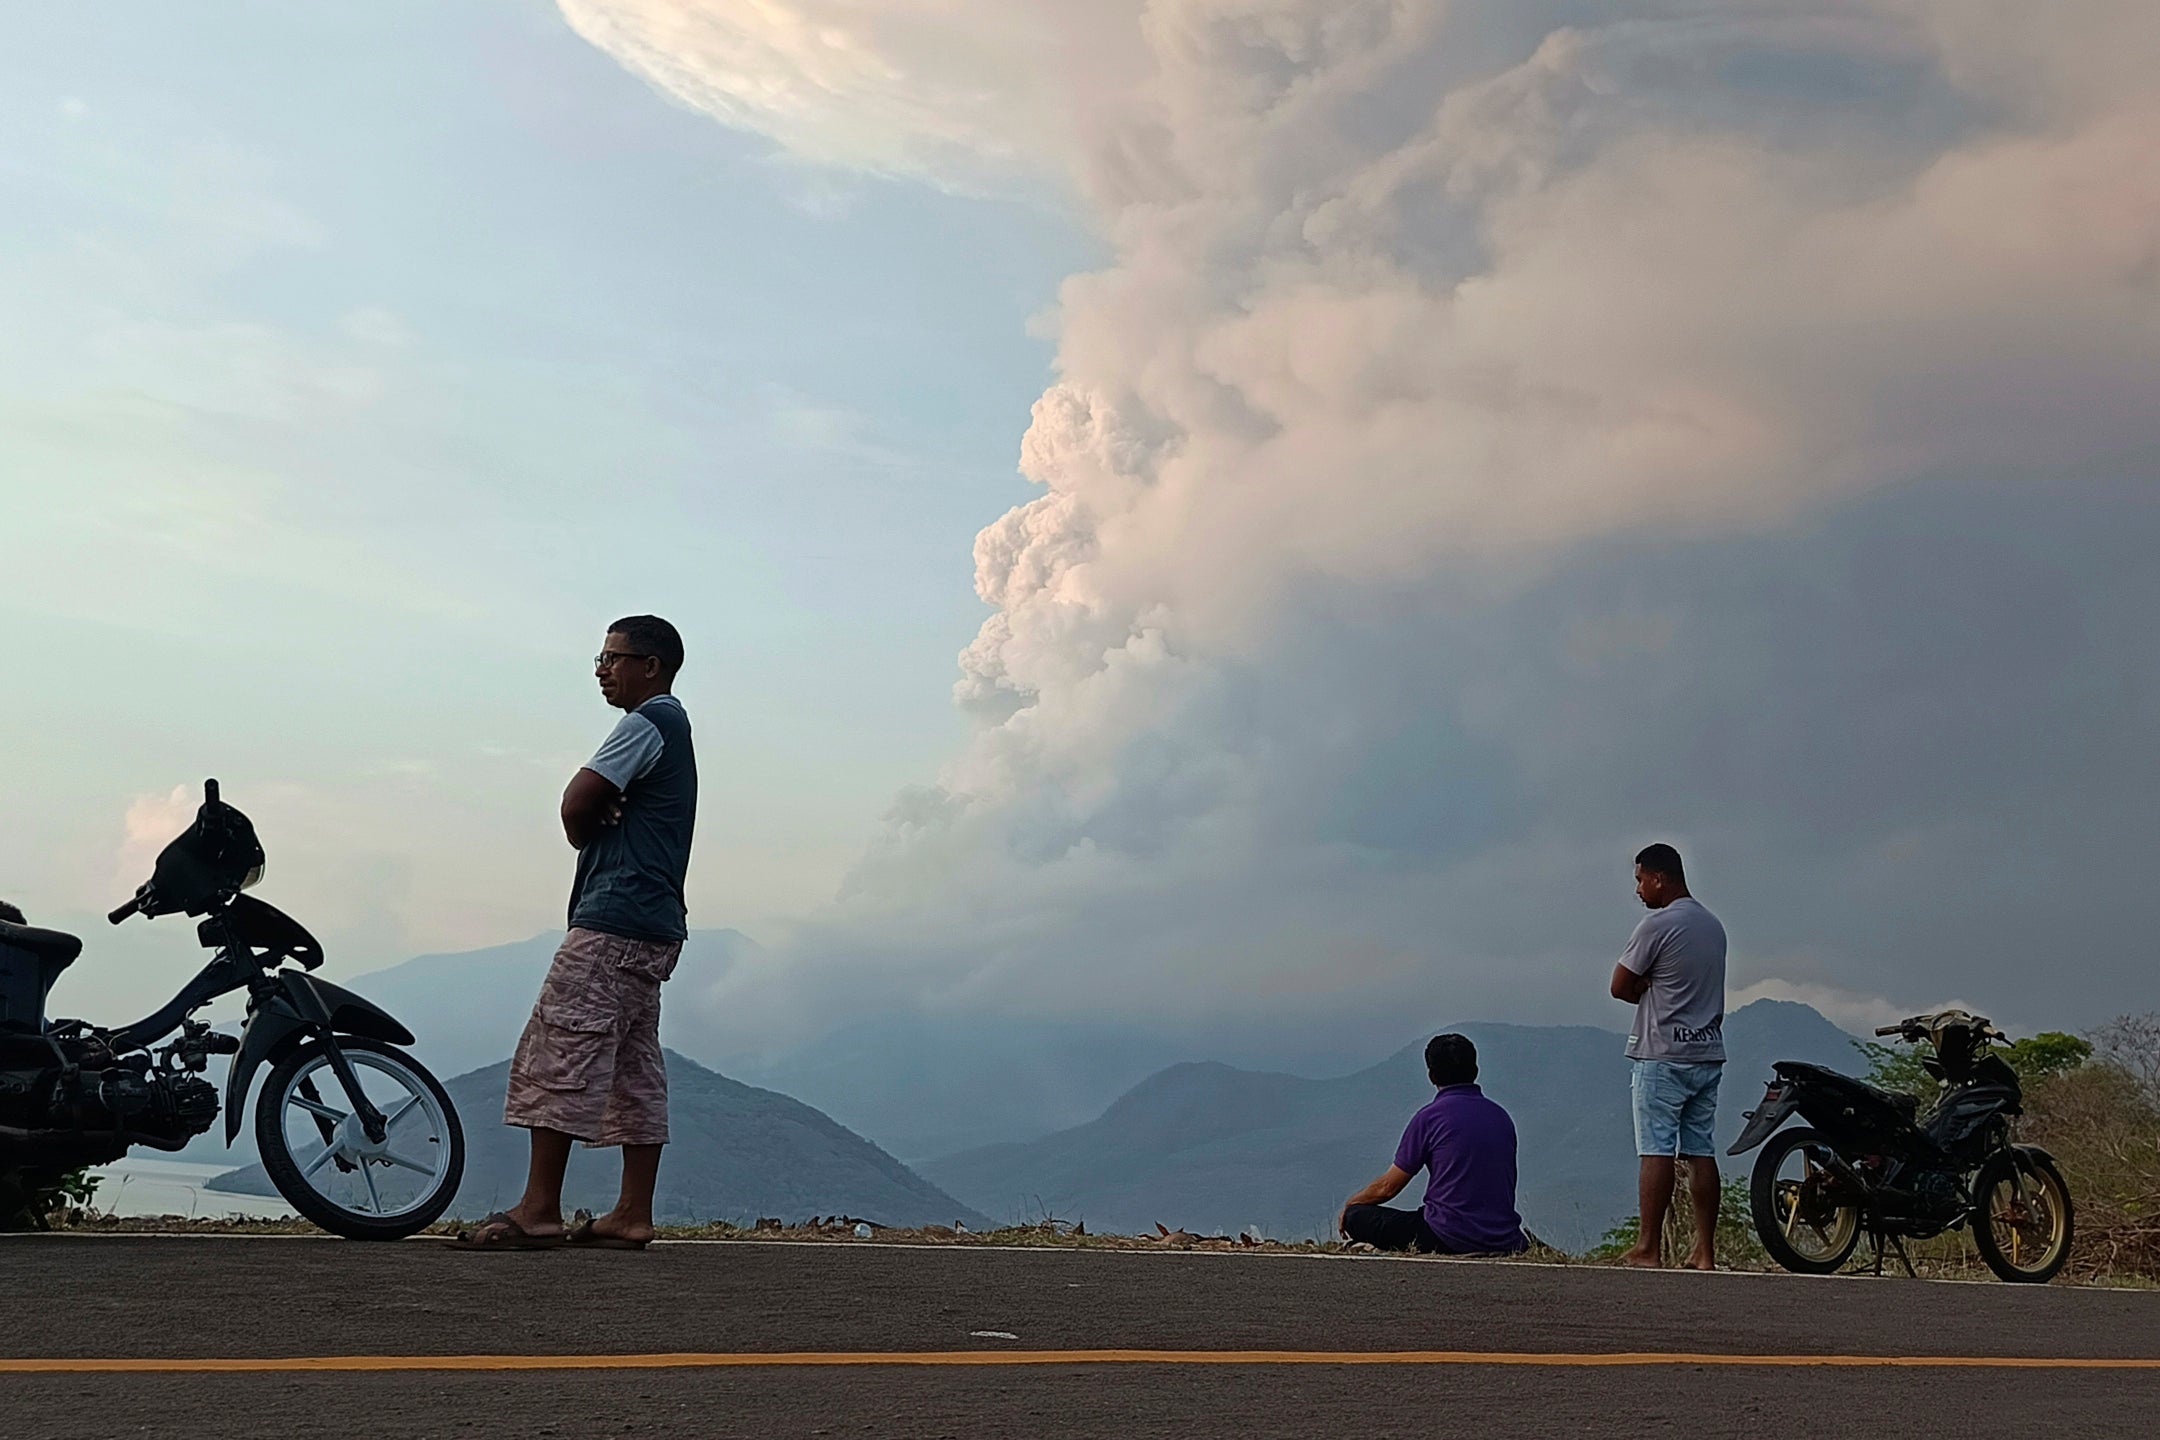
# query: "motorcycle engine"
1937, 1192
126, 1094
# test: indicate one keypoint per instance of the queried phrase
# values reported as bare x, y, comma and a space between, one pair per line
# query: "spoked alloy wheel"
320, 1157
1805, 1220
2023, 1220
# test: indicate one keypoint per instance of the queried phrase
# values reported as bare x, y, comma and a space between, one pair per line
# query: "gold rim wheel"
2026, 1215
1814, 1227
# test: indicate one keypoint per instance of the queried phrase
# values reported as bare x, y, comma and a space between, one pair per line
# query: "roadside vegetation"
1737, 1247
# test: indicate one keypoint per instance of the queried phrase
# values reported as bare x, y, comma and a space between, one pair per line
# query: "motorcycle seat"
55, 948
1906, 1106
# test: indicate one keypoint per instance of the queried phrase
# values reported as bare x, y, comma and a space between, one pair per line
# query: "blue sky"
362, 363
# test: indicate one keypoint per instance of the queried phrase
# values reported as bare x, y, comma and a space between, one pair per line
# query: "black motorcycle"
354, 1132
1867, 1162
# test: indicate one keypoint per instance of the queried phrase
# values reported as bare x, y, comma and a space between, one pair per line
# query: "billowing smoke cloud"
1509, 432
951, 93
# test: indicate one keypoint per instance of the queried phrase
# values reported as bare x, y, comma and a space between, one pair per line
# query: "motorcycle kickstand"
1903, 1259
1875, 1239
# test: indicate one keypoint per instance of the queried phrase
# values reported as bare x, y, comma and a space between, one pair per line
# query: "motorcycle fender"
1779, 1101
303, 1005
273, 1027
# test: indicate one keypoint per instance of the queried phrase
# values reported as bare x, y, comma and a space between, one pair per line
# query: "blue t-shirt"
630, 878
1467, 1142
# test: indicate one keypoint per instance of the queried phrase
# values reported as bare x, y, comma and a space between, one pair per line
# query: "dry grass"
836, 1230
2102, 1124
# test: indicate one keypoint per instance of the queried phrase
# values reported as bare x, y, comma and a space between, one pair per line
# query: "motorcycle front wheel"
323, 1162
1805, 1223
2022, 1219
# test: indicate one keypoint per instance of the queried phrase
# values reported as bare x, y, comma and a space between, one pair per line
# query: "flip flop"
509, 1236
584, 1236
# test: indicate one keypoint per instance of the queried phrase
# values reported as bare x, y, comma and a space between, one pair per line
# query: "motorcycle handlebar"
133, 907
1890, 1030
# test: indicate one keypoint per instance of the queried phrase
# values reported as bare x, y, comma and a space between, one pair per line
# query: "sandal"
499, 1232
582, 1234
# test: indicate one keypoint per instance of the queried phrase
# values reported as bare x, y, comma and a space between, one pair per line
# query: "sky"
361, 364
1237, 514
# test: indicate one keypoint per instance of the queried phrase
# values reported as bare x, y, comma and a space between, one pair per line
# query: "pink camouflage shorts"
589, 1062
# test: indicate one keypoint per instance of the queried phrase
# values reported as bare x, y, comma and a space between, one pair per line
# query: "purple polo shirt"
1467, 1142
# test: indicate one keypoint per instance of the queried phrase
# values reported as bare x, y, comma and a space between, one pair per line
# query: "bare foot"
540, 1227
1642, 1259
612, 1226
1700, 1261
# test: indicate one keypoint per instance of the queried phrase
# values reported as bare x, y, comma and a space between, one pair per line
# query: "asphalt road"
106, 1298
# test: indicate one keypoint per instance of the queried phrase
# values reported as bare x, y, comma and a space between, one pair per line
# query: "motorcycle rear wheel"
344, 1182
2023, 1219
1800, 1226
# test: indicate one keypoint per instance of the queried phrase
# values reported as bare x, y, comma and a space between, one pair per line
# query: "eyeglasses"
607, 658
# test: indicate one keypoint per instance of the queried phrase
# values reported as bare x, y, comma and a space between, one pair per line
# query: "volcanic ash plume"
1413, 305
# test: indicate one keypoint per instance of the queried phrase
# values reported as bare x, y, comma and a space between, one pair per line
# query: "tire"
332, 1184
1796, 1216
2023, 1219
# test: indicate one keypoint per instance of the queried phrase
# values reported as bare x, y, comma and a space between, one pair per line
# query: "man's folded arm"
590, 802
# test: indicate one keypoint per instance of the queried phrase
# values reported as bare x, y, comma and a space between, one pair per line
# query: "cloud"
150, 824
928, 88
1850, 1010
1433, 333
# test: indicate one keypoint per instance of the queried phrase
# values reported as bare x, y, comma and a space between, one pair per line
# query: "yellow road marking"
748, 1360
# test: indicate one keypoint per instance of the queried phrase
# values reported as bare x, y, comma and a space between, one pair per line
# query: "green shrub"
1737, 1243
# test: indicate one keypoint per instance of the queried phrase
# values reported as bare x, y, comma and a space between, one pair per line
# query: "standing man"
588, 1067
1673, 973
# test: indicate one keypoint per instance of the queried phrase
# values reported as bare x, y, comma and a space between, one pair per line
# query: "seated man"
1467, 1143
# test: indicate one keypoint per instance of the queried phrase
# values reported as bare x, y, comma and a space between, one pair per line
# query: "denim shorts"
1675, 1106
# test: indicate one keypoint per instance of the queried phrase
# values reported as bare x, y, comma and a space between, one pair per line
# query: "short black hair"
653, 636
1662, 859
1450, 1060
10, 914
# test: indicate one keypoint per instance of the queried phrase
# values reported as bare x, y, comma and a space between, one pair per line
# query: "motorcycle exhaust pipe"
17, 1135
1844, 1170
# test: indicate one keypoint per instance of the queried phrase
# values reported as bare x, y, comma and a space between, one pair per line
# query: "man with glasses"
589, 1067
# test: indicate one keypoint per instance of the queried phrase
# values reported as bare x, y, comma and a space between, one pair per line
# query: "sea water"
133, 1187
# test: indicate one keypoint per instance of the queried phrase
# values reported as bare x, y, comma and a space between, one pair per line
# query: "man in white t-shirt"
1673, 973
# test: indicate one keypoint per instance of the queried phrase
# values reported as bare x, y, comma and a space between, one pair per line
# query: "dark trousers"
1386, 1229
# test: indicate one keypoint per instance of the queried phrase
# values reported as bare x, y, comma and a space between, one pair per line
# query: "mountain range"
923, 1085
738, 1153
1213, 1148
1114, 1125
467, 1010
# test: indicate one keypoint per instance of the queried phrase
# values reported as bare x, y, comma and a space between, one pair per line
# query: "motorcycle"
1868, 1162
355, 1133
